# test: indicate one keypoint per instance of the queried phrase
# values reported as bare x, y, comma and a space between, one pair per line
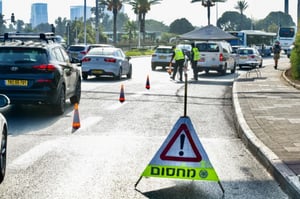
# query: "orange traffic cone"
147, 83
76, 120
122, 96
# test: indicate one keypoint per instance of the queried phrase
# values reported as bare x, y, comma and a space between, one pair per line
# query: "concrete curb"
288, 81
289, 182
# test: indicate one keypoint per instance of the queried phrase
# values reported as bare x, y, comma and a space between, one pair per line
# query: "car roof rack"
49, 36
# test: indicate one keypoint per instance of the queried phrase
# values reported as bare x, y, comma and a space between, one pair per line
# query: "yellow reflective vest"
178, 54
196, 54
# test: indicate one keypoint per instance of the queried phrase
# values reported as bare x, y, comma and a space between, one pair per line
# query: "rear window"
102, 51
76, 48
22, 55
164, 50
245, 51
207, 47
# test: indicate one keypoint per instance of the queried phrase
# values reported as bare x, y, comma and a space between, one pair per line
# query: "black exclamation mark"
182, 138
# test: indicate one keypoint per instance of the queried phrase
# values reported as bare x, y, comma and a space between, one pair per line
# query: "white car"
215, 55
161, 57
4, 101
249, 56
107, 61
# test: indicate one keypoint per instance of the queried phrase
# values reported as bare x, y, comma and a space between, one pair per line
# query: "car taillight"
111, 60
252, 56
83, 52
221, 57
86, 59
45, 67
154, 55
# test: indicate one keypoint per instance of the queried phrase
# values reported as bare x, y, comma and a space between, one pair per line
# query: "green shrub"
295, 59
139, 52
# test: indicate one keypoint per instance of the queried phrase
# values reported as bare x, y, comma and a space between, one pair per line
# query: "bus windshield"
286, 32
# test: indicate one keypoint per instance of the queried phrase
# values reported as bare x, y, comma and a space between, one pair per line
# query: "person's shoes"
172, 78
275, 67
180, 79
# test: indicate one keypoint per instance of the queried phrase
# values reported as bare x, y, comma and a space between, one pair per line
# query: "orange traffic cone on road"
122, 96
147, 83
76, 120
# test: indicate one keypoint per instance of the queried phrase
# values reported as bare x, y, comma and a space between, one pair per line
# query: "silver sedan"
106, 62
4, 101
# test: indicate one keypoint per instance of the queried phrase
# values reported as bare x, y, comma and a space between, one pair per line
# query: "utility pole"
97, 21
84, 17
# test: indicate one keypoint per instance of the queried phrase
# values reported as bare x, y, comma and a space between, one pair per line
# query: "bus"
286, 36
260, 39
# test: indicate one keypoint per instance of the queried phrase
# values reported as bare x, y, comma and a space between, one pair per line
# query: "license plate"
162, 57
16, 82
97, 72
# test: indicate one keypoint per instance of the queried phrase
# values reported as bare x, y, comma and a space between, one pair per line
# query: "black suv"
36, 70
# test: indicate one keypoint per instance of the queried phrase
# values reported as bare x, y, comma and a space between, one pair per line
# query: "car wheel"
129, 75
59, 106
223, 70
3, 155
84, 76
76, 98
118, 77
260, 65
153, 67
233, 70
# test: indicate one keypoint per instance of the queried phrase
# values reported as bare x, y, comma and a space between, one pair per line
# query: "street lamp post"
97, 21
84, 18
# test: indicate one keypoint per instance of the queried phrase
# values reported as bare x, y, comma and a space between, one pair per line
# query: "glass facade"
39, 14
77, 12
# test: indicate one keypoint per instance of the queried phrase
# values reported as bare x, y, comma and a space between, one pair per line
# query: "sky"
167, 11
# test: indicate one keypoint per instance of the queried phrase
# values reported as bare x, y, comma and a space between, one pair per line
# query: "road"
106, 156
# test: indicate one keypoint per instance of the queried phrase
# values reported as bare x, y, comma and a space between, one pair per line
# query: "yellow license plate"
162, 57
16, 82
97, 72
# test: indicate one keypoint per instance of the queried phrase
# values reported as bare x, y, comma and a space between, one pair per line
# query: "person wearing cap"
276, 51
179, 57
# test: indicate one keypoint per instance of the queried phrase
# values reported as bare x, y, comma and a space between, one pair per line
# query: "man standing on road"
179, 57
276, 51
195, 56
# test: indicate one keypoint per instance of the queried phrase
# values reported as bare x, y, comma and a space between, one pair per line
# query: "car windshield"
22, 55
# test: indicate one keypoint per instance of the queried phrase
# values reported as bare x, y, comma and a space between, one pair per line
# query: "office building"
39, 14
77, 12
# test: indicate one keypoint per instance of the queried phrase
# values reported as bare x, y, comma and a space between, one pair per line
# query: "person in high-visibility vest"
179, 57
195, 56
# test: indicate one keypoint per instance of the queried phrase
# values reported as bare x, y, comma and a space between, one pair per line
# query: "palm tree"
114, 6
141, 8
241, 6
130, 27
208, 4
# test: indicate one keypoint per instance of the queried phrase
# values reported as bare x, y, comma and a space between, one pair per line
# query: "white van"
216, 56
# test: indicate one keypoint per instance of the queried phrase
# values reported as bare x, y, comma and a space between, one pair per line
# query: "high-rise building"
77, 12
1, 6
39, 14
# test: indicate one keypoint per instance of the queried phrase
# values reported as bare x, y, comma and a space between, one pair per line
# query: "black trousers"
195, 69
178, 66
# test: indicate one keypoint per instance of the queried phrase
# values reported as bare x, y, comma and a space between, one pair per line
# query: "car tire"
59, 106
129, 75
76, 98
118, 77
223, 70
233, 70
153, 67
3, 155
260, 65
84, 76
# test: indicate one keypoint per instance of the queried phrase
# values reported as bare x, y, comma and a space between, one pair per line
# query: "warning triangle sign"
181, 142
181, 156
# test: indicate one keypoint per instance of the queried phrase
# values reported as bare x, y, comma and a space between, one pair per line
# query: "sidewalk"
267, 116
